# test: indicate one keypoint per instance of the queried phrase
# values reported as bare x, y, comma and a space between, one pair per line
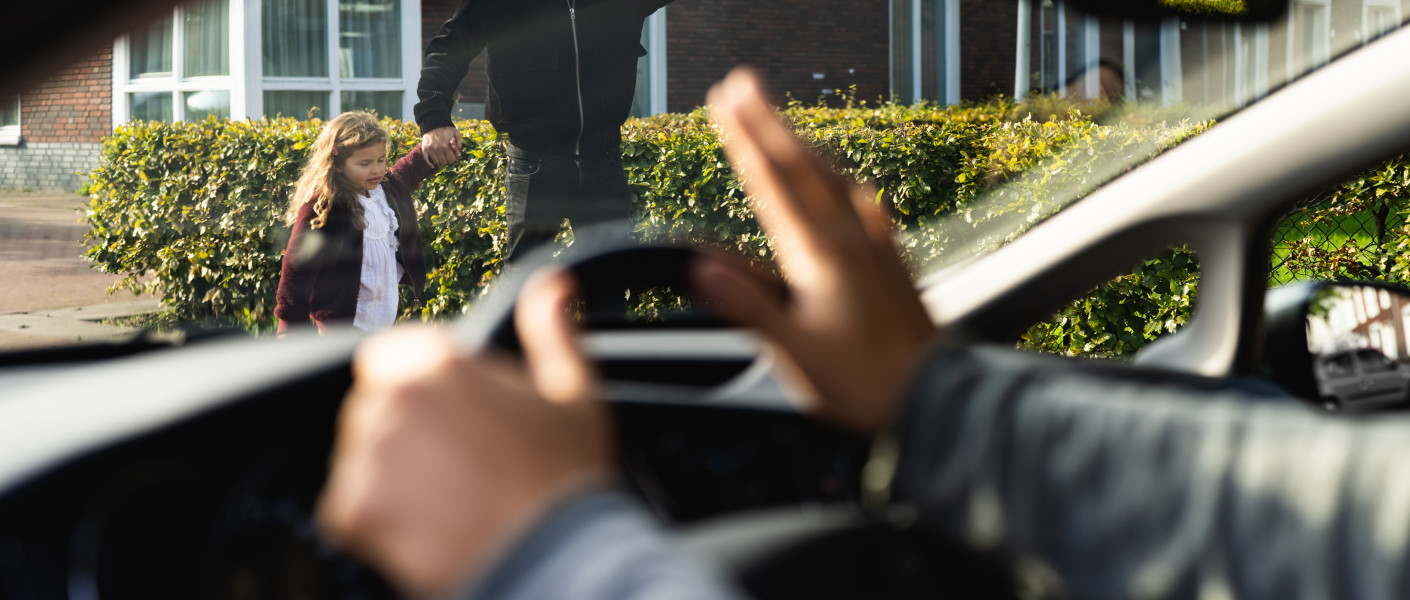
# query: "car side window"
1374, 362
1338, 365
1119, 317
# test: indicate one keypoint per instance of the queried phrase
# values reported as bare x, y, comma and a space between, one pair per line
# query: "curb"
80, 323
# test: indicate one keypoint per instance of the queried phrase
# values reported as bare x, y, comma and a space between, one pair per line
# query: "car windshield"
1102, 96
148, 185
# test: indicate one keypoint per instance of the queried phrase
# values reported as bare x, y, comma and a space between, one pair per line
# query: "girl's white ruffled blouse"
377, 296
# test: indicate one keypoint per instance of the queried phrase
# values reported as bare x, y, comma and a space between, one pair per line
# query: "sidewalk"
50, 295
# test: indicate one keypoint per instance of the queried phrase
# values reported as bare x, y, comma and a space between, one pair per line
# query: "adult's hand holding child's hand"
443, 460
441, 146
853, 325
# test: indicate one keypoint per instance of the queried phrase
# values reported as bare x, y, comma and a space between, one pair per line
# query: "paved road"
48, 293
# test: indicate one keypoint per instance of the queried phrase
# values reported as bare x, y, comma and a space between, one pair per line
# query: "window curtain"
295, 38
10, 112
297, 104
151, 106
207, 33
385, 104
369, 38
150, 49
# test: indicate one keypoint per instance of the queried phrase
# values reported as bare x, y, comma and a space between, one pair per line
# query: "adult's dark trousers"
543, 189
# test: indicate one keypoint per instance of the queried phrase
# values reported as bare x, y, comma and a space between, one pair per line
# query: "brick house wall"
847, 41
473, 89
62, 123
986, 68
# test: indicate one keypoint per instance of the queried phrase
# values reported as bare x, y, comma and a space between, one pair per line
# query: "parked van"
1360, 377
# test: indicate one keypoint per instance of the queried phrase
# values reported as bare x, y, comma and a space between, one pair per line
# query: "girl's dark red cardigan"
322, 269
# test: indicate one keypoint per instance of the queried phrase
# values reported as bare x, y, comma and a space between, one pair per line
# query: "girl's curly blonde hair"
349, 132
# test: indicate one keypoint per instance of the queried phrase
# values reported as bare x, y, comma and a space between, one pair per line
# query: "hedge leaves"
192, 212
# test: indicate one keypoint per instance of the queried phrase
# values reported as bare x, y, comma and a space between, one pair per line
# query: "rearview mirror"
1341, 345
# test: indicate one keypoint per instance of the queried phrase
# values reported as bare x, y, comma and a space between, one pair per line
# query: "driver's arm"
1104, 484
471, 475
1128, 488
600, 545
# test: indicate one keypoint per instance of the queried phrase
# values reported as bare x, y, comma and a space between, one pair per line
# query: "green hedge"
192, 211
1356, 229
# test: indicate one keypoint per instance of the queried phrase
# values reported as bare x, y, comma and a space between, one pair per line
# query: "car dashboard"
195, 471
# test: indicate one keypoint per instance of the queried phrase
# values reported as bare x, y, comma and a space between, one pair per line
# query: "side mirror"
1340, 345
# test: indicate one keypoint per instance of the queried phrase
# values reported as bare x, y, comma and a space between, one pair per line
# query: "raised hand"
852, 326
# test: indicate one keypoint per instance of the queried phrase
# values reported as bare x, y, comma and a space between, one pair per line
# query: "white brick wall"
48, 167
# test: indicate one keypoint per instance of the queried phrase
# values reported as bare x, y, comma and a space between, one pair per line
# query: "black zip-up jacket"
562, 72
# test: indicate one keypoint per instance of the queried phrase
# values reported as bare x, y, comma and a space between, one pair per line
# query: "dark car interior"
216, 501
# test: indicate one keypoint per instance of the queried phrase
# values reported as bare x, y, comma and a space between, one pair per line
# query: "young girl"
354, 230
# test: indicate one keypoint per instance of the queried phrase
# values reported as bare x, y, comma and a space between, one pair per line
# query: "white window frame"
10, 134
1128, 59
1092, 49
1023, 54
177, 84
255, 84
1172, 72
1366, 6
1255, 60
1061, 46
656, 62
951, 50
1321, 48
246, 82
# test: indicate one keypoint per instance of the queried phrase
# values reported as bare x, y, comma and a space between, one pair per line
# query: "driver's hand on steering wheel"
852, 327
443, 459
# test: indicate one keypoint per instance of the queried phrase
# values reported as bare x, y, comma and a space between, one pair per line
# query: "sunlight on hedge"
197, 206
1231, 8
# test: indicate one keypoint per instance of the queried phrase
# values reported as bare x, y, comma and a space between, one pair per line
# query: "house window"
1378, 17
325, 57
249, 58
1050, 19
1309, 35
10, 121
650, 97
925, 50
178, 67
1250, 63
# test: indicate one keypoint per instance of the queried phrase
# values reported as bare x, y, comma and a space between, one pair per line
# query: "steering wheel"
604, 267
832, 550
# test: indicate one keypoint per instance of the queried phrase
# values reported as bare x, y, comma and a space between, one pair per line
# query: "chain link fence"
1327, 238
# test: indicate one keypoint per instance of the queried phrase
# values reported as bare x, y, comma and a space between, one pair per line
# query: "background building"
243, 59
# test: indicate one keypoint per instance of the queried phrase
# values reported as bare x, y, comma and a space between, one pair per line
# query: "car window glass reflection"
1358, 338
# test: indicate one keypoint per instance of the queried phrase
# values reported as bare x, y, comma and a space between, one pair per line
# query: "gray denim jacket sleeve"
602, 545
1121, 486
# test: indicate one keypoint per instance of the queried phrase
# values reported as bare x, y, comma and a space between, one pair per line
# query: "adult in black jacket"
562, 77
